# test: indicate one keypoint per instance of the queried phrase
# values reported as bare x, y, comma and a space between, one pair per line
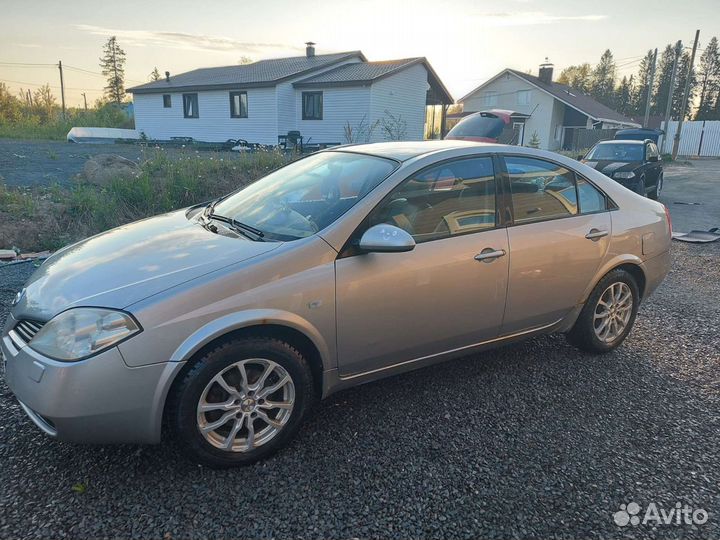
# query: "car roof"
624, 141
404, 150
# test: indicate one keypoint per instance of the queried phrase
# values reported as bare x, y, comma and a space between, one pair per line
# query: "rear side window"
591, 198
540, 190
450, 199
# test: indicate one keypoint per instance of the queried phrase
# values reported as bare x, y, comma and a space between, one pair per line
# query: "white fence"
698, 138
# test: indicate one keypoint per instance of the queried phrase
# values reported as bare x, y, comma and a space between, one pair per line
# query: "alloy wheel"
246, 405
613, 312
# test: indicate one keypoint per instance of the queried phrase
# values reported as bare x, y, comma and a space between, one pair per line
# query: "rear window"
478, 126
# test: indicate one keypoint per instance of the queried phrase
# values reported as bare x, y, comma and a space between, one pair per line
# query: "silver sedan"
224, 322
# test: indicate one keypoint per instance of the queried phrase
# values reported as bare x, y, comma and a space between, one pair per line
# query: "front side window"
238, 105
306, 196
190, 106
540, 190
312, 105
450, 199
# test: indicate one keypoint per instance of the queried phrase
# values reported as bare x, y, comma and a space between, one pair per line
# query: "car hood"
609, 167
124, 265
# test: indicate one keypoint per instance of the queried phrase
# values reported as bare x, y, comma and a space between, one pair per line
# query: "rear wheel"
608, 315
242, 401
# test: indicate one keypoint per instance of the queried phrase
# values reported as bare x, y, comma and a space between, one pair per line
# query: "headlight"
78, 333
624, 175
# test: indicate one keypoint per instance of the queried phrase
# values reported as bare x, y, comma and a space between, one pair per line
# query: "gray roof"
364, 73
574, 98
263, 73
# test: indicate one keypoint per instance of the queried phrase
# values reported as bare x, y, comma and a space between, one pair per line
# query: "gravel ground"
42, 163
531, 440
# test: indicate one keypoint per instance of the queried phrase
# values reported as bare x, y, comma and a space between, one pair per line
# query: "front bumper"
98, 400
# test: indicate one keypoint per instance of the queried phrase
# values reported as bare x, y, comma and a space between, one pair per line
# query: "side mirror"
580, 157
384, 238
653, 159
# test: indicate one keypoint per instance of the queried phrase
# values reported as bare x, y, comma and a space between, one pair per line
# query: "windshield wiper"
236, 225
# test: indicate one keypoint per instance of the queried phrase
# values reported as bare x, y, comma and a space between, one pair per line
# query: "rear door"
447, 293
559, 234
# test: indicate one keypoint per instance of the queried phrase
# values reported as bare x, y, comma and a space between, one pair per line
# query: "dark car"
634, 164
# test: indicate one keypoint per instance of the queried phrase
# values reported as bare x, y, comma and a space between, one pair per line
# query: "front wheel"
641, 187
608, 315
655, 193
241, 401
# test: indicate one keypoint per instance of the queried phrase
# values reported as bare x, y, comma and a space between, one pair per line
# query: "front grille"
27, 329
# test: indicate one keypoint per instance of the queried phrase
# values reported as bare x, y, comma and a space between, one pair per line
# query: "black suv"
634, 164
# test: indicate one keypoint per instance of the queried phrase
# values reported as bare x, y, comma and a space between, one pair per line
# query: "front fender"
254, 317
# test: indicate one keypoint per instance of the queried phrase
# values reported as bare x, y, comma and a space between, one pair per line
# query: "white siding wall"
545, 116
404, 95
214, 123
340, 105
286, 101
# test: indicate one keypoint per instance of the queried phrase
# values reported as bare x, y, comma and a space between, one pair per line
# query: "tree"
44, 98
642, 81
244, 60
708, 79
534, 141
623, 96
603, 79
113, 67
664, 74
577, 77
681, 77
155, 75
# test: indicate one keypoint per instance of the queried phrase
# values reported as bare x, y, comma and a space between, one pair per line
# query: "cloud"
530, 18
28, 45
182, 40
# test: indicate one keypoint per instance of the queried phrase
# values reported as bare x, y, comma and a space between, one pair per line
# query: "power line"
50, 85
26, 64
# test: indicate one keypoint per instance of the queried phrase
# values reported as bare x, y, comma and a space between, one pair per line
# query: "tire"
245, 406
583, 334
655, 193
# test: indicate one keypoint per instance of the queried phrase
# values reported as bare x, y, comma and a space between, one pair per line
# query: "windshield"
306, 196
616, 152
478, 126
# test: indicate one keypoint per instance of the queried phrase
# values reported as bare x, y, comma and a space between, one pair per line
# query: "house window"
523, 97
167, 102
312, 105
489, 98
190, 106
238, 105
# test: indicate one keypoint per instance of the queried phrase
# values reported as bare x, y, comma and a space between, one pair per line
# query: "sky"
466, 41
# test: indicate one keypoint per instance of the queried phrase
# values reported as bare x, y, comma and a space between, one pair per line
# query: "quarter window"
238, 105
167, 101
540, 190
312, 105
591, 198
450, 199
190, 106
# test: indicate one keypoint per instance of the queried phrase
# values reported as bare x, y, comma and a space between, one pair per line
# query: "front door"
446, 294
560, 234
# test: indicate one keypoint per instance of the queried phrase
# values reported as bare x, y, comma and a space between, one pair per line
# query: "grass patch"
35, 219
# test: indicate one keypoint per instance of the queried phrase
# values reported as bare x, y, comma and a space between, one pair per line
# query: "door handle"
594, 234
489, 254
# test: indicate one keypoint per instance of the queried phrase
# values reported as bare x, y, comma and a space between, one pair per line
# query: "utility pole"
650, 89
683, 105
85, 100
668, 108
62, 88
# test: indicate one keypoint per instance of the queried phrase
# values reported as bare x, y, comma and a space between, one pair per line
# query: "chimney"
546, 72
309, 49
167, 76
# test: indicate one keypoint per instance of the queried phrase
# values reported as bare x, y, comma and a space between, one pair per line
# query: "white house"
554, 111
318, 95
